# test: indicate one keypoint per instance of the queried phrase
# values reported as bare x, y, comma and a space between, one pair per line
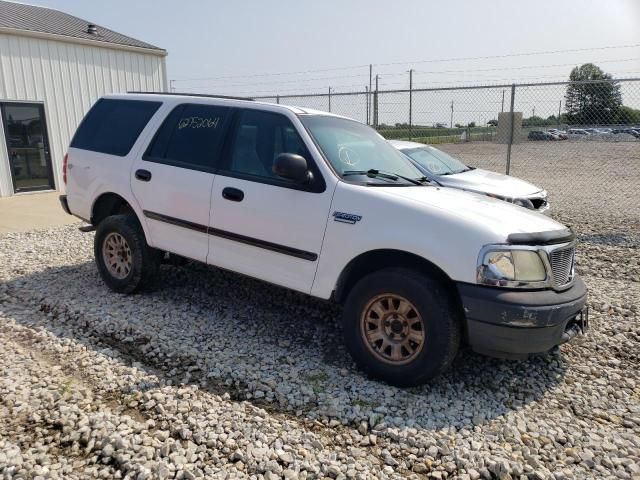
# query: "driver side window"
259, 138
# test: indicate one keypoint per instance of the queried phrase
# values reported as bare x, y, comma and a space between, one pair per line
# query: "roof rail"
194, 95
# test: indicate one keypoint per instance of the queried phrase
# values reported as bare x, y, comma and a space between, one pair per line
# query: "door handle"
232, 194
144, 175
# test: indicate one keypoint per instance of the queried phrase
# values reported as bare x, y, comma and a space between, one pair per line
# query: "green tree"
594, 102
627, 115
535, 121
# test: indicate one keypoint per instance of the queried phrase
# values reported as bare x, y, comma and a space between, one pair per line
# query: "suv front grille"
561, 261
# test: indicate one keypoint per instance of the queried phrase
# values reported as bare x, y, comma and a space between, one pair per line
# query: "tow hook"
579, 325
571, 332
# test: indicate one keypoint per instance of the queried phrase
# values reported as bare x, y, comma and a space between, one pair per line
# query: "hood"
484, 181
489, 214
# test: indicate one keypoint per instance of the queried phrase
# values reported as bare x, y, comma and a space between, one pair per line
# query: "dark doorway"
25, 131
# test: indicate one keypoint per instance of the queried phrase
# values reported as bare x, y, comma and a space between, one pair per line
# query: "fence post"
451, 122
329, 98
410, 103
513, 94
369, 96
375, 105
278, 99
366, 101
375, 109
559, 113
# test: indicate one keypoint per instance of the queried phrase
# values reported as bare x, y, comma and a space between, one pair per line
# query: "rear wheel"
401, 326
125, 261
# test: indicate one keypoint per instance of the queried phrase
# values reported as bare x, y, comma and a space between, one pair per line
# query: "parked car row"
603, 131
556, 134
548, 135
562, 135
635, 131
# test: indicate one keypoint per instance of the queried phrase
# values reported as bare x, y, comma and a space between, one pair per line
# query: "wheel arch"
376, 260
110, 203
114, 202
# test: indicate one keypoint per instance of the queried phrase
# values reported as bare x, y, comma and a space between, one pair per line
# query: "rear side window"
191, 136
113, 126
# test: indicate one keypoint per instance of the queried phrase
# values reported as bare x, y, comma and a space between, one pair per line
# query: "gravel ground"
586, 180
216, 375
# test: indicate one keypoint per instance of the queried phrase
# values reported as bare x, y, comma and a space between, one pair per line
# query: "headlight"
511, 267
523, 202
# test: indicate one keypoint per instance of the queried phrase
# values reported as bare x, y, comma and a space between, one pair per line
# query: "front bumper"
516, 324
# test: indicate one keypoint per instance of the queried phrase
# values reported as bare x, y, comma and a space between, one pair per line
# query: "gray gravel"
594, 182
219, 376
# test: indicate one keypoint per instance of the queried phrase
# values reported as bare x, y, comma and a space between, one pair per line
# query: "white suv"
324, 205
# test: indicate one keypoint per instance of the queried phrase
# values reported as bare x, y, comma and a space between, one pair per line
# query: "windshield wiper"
373, 172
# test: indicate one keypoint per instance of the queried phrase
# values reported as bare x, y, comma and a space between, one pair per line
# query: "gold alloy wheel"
117, 255
392, 329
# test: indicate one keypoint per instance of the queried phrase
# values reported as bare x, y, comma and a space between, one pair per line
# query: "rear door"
172, 180
262, 225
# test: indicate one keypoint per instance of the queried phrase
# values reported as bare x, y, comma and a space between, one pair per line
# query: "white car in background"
579, 131
448, 171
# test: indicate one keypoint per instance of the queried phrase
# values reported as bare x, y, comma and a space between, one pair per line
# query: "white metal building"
53, 67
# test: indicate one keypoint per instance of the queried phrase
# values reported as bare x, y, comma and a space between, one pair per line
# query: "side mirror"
292, 167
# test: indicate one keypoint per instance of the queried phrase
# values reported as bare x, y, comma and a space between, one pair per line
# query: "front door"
25, 131
262, 225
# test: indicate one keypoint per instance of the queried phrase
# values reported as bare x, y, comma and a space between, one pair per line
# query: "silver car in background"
448, 171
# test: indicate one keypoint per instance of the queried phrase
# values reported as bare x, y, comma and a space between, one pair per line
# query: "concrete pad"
33, 211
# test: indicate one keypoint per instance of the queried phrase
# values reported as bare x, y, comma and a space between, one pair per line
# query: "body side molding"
255, 242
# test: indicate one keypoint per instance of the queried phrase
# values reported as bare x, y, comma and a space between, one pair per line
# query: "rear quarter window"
112, 126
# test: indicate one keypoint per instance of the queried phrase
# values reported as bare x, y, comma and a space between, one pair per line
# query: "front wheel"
125, 262
401, 326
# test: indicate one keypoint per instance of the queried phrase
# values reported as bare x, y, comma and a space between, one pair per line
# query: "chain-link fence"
578, 140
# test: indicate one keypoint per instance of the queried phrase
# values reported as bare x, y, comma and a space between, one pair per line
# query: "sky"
254, 47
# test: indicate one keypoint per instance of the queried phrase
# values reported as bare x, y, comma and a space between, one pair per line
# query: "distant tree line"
597, 102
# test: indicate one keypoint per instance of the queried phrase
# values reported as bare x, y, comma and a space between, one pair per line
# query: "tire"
426, 325
125, 234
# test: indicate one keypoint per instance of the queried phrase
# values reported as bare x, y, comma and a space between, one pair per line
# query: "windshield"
436, 161
355, 150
